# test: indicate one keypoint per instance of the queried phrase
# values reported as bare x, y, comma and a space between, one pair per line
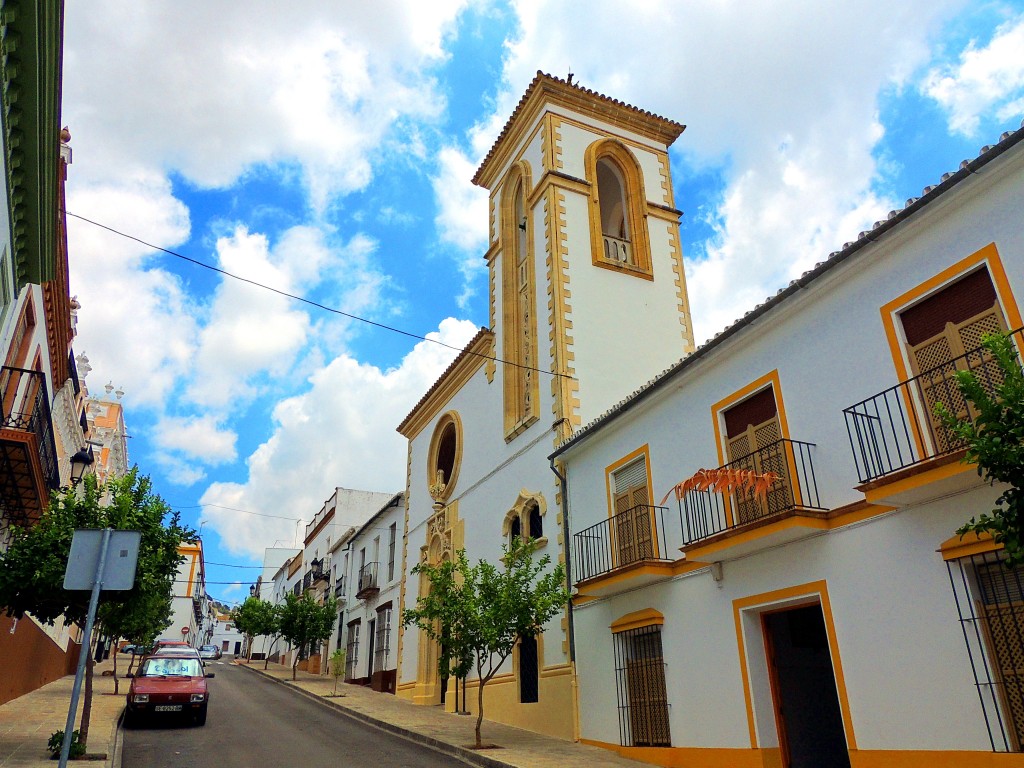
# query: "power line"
310, 302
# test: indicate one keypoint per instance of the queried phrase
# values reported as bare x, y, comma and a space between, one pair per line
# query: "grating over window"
990, 600
382, 642
640, 688
529, 692
352, 650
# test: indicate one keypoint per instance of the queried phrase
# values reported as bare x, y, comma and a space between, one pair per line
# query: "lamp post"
80, 462
252, 590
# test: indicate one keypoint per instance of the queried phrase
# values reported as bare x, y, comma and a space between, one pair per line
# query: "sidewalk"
27, 722
448, 732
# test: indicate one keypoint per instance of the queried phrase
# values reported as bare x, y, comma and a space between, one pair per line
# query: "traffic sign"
184, 630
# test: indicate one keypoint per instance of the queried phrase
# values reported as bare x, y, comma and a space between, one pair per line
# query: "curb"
117, 748
464, 754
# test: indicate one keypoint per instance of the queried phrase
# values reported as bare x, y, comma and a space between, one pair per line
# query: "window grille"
392, 538
990, 600
536, 522
382, 642
352, 650
528, 670
640, 688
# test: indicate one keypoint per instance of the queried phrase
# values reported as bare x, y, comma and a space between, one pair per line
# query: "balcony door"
632, 524
940, 332
753, 435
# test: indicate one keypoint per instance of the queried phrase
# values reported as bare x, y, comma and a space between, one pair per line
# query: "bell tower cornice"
546, 90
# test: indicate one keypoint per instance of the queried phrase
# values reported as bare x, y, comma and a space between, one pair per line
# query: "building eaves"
913, 205
467, 352
394, 501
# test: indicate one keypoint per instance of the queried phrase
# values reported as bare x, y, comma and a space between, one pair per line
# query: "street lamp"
80, 462
252, 590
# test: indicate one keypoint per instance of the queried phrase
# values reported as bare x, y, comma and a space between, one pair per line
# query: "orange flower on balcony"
725, 479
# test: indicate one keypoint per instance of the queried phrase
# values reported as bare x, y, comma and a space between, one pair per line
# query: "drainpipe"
563, 484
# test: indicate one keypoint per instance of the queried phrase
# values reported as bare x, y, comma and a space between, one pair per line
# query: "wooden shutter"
632, 525
648, 695
755, 446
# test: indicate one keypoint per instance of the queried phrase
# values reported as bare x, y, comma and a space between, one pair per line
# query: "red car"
169, 685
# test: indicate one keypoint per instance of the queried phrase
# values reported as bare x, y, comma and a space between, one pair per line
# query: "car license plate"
167, 708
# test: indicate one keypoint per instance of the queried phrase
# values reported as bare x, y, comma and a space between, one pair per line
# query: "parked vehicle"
170, 644
168, 685
209, 652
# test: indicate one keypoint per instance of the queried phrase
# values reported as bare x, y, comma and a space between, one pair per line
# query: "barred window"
640, 688
382, 642
392, 539
990, 599
352, 650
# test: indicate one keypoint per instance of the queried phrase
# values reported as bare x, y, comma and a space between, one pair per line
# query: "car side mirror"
210, 674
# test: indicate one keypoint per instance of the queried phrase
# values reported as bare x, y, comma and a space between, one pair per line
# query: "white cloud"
985, 80
319, 85
780, 98
323, 437
201, 437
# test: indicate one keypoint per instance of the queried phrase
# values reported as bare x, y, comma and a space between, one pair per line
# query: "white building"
227, 637
190, 602
831, 617
368, 598
588, 301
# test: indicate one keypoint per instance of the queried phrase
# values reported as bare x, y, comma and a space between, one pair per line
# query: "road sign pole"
83, 654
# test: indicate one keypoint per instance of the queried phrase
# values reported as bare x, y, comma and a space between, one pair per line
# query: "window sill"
626, 269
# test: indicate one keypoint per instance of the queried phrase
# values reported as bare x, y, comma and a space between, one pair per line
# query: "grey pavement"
27, 722
449, 732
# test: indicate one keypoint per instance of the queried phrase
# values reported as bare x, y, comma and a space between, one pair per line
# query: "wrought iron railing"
635, 535
703, 514
26, 407
367, 579
318, 570
307, 581
339, 586
898, 428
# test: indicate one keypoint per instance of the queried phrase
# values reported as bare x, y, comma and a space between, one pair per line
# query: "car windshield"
169, 667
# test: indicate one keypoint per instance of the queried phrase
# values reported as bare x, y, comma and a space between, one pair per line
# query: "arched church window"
444, 457
536, 522
618, 209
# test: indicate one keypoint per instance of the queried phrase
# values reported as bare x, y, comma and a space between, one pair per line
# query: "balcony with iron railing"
775, 484
631, 547
307, 580
339, 587
28, 452
896, 433
319, 571
367, 586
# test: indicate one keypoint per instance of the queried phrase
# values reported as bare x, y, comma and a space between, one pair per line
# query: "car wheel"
200, 717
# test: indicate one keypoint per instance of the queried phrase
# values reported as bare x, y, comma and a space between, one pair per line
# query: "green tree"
995, 443
337, 667
32, 568
256, 617
478, 613
305, 622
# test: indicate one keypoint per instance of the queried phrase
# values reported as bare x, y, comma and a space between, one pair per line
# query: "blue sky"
326, 149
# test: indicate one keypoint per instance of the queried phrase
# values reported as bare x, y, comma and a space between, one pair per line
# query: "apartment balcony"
630, 549
318, 570
730, 519
307, 581
896, 436
339, 589
197, 610
28, 453
367, 581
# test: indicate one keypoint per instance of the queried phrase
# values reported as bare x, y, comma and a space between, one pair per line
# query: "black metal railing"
339, 586
319, 573
898, 428
632, 536
703, 514
307, 581
367, 580
26, 408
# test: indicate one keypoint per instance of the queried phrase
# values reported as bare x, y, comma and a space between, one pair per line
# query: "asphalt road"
257, 723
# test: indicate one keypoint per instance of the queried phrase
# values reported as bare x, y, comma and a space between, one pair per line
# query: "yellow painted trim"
518, 180
957, 546
625, 574
405, 566
565, 401
191, 575
885, 490
989, 255
453, 418
682, 296
636, 207
814, 589
645, 451
647, 617
769, 379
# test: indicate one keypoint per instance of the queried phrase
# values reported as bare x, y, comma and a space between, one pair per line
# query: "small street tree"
304, 622
32, 568
995, 442
478, 613
337, 667
256, 617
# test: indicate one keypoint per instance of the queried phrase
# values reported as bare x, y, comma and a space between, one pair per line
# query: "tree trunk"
295, 666
479, 705
83, 731
114, 651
